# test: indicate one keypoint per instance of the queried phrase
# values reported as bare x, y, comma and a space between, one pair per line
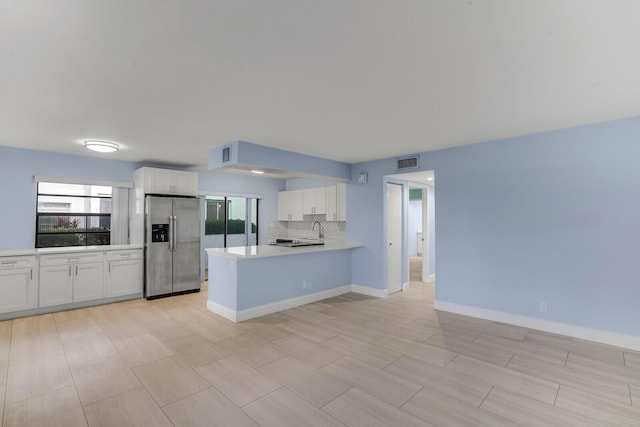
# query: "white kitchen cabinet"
124, 273
314, 201
18, 283
290, 205
71, 277
337, 203
166, 181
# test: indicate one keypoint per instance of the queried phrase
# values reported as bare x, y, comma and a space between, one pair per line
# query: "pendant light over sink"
101, 146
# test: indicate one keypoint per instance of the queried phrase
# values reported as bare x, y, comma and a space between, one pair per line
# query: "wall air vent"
226, 154
408, 163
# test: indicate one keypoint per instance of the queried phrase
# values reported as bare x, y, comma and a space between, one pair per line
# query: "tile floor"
349, 360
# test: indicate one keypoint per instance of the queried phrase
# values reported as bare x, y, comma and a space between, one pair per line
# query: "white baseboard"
405, 285
597, 335
432, 277
372, 292
262, 310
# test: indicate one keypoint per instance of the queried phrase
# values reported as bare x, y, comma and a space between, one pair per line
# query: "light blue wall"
431, 238
18, 191
415, 225
551, 216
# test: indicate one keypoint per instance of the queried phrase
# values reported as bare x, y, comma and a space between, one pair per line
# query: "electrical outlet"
310, 284
543, 307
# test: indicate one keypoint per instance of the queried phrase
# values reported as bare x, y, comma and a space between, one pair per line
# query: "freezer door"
158, 262
186, 250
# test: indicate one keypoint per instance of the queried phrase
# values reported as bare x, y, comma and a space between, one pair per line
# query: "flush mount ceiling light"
101, 146
259, 172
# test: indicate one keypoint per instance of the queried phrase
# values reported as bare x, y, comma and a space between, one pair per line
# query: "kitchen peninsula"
252, 281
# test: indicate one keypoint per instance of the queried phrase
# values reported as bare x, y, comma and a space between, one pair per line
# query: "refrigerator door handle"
170, 233
175, 232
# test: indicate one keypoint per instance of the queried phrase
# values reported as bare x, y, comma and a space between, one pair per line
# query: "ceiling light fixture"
101, 146
259, 172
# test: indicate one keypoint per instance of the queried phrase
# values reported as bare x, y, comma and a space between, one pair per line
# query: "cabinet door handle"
69, 271
31, 274
109, 267
76, 270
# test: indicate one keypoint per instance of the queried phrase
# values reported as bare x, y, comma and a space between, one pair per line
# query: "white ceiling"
349, 80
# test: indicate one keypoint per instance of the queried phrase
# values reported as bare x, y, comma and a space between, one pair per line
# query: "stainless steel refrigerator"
172, 243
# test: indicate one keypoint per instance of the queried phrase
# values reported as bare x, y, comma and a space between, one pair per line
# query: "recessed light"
101, 146
259, 172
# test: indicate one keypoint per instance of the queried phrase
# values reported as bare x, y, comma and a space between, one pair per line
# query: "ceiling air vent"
408, 163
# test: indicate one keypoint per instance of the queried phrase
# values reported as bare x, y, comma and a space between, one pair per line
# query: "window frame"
86, 216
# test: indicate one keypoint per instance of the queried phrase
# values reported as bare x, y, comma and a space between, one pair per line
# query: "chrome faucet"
320, 234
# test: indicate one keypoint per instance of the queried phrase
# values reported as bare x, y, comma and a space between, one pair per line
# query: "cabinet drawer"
27, 261
124, 254
71, 258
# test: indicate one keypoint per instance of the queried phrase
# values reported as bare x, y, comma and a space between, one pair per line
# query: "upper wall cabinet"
290, 205
337, 203
166, 181
314, 201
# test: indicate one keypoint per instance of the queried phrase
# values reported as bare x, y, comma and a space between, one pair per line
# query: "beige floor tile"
74, 328
476, 351
142, 349
196, 351
314, 386
36, 378
430, 354
85, 349
313, 316
34, 338
238, 381
464, 387
597, 408
507, 345
264, 331
168, 329
78, 314
308, 352
611, 371
251, 351
309, 331
362, 332
357, 408
382, 384
371, 354
530, 412
493, 328
635, 395
632, 360
3, 389
208, 408
170, 379
597, 384
527, 385
99, 378
445, 411
579, 347
144, 313
123, 327
58, 408
133, 408
283, 408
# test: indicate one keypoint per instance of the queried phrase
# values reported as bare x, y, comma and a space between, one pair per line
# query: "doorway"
418, 227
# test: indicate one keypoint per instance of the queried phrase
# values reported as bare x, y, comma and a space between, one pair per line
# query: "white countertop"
67, 249
262, 251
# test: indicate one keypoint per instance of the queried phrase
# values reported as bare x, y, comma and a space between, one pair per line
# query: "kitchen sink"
290, 243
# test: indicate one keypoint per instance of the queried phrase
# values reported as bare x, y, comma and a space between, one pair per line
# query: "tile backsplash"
334, 230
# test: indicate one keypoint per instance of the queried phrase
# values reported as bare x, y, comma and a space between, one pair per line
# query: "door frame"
405, 259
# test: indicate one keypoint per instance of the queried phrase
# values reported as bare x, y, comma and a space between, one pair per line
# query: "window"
233, 219
73, 215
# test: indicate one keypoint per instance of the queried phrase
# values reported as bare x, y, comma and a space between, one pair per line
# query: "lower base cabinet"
123, 278
18, 284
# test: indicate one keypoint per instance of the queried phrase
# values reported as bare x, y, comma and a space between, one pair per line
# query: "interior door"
394, 237
186, 250
158, 265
